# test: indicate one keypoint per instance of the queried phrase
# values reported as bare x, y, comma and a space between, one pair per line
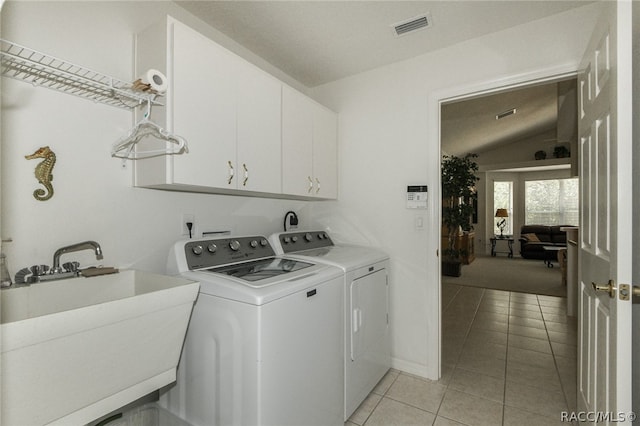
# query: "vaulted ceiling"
485, 123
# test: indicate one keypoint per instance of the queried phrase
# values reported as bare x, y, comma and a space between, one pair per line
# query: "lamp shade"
502, 213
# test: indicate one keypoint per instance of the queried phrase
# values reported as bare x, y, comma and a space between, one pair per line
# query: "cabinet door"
203, 108
297, 143
259, 130
325, 158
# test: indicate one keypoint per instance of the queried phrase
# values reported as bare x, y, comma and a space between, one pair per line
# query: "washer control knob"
308, 237
234, 245
324, 235
253, 244
197, 250
320, 237
211, 248
287, 240
263, 242
294, 239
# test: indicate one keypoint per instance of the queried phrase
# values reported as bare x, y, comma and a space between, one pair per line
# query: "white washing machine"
264, 344
366, 288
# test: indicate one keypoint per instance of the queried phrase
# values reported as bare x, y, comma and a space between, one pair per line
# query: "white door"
604, 108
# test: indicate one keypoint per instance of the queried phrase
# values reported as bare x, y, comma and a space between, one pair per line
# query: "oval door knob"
609, 288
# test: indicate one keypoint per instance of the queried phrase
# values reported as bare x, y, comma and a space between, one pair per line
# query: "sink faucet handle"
71, 266
39, 270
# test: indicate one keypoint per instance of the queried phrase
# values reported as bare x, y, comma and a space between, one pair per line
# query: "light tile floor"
507, 359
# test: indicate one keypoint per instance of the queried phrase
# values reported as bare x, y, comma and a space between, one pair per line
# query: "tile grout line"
506, 362
455, 365
555, 362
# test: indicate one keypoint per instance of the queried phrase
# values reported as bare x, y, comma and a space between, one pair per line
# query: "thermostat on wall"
417, 196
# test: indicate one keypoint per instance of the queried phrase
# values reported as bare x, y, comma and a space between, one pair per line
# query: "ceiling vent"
414, 24
506, 113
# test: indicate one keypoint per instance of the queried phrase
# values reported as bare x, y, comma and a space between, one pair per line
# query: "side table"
494, 242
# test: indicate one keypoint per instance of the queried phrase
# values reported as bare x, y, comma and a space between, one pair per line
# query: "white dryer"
264, 345
366, 289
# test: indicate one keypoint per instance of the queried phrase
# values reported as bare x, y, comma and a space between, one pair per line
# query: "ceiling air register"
411, 25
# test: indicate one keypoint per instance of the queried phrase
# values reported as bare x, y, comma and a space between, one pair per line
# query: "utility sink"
76, 349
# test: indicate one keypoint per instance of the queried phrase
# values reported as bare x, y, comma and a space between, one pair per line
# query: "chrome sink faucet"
85, 245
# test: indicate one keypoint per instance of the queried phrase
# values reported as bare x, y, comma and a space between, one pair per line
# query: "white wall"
94, 198
389, 139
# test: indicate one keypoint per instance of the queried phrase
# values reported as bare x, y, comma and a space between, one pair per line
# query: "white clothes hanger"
125, 146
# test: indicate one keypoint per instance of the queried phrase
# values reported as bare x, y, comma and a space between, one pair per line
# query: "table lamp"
503, 214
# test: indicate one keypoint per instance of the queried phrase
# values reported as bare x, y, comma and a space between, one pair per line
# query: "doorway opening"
527, 188
491, 331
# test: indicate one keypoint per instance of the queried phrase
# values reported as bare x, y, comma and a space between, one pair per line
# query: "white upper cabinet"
242, 137
309, 147
202, 104
325, 152
259, 159
297, 143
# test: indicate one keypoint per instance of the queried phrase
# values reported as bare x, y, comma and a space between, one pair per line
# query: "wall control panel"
417, 196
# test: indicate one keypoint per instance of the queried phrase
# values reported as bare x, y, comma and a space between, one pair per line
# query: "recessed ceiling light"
506, 113
410, 25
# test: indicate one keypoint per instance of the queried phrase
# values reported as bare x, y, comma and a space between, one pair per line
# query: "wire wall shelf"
39, 69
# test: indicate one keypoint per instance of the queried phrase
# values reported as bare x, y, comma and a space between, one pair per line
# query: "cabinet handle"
317, 187
246, 175
310, 184
231, 171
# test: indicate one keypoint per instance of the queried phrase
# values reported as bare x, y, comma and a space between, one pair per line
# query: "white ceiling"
317, 42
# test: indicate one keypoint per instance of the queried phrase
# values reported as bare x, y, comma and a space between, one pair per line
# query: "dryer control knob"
211, 248
197, 250
234, 245
308, 237
287, 240
253, 244
294, 239
263, 242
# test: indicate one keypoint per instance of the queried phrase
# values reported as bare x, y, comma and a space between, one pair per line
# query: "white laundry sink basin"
74, 350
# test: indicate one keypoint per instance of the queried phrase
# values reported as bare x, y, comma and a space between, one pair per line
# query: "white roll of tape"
156, 80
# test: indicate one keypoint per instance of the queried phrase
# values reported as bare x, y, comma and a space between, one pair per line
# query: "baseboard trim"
412, 368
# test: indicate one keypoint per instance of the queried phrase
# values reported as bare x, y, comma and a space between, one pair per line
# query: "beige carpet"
517, 274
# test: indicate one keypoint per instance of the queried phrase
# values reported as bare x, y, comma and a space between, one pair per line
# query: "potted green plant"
458, 192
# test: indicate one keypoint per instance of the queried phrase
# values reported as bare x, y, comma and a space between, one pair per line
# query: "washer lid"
266, 289
259, 270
